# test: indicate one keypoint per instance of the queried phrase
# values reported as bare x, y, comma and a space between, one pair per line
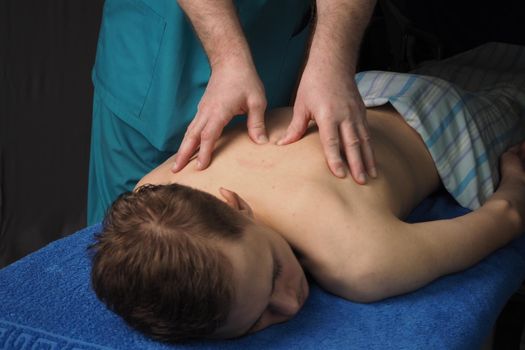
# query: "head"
177, 263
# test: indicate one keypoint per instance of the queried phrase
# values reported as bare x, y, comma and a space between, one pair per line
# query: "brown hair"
156, 265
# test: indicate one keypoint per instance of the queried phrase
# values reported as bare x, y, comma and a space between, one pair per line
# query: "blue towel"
46, 303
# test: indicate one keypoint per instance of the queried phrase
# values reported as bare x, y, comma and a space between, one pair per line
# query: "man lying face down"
222, 253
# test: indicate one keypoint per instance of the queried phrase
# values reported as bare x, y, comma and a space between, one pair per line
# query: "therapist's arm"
218, 28
327, 92
234, 87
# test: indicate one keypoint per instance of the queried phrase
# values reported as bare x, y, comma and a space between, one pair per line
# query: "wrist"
334, 39
342, 62
235, 55
508, 209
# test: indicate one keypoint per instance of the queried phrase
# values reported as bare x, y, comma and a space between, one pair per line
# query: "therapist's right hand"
234, 89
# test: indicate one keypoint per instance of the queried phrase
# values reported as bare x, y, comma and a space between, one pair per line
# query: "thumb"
297, 127
255, 123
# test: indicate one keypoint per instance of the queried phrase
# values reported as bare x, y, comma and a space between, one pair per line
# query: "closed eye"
277, 271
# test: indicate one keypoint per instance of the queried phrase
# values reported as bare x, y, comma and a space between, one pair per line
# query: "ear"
236, 202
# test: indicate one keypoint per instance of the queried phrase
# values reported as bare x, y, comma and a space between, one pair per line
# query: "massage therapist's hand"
327, 92
234, 89
329, 96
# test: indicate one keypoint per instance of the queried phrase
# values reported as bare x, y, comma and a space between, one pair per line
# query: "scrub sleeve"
149, 75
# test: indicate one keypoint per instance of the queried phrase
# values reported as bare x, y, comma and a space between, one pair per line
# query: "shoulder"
159, 175
344, 259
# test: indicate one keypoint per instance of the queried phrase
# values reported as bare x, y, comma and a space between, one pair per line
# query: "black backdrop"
47, 49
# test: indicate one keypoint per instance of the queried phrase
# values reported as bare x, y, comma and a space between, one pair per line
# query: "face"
269, 283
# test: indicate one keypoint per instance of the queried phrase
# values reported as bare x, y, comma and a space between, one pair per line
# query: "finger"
352, 149
329, 133
297, 127
208, 137
187, 148
255, 122
367, 151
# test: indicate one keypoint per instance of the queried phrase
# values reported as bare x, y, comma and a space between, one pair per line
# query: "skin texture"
327, 93
349, 237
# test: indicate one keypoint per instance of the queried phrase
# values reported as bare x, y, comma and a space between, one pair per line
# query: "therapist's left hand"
329, 96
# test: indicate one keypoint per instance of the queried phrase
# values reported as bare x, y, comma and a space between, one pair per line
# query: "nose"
286, 303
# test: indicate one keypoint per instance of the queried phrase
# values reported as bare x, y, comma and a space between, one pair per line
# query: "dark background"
47, 49
46, 52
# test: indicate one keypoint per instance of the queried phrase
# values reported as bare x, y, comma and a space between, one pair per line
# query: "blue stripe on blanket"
471, 175
436, 134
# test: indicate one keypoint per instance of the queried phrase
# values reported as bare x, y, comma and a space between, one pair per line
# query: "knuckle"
202, 106
354, 142
258, 124
366, 138
352, 122
332, 141
191, 135
356, 103
223, 120
206, 135
326, 117
257, 103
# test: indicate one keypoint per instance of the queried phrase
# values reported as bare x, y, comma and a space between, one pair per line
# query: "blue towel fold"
46, 303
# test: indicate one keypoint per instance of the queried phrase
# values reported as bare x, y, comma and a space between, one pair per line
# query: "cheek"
269, 318
292, 272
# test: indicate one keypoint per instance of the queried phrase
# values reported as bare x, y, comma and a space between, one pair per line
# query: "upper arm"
375, 261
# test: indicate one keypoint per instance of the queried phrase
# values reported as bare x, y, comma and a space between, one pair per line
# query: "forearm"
429, 250
339, 29
402, 257
219, 30
459, 243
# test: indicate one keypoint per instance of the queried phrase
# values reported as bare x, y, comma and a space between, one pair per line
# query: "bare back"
291, 189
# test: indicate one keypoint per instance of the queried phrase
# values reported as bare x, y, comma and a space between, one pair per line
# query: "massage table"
46, 302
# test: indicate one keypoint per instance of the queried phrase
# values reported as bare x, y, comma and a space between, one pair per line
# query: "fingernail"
361, 177
199, 165
262, 139
174, 167
281, 140
373, 172
340, 172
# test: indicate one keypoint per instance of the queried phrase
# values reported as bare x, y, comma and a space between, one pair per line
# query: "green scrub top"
151, 69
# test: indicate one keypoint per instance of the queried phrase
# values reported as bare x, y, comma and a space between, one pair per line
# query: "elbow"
364, 282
